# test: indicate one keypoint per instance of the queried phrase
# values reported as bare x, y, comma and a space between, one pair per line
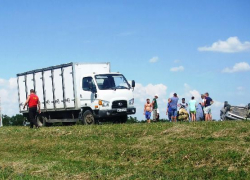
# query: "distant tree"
6, 120
132, 119
16, 120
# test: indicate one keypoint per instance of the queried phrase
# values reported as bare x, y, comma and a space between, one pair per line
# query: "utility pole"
1, 120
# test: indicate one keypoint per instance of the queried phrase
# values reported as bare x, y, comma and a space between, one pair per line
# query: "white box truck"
88, 92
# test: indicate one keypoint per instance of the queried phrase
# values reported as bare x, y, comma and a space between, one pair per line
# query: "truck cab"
109, 96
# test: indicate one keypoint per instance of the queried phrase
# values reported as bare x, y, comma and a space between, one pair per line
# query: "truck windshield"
111, 81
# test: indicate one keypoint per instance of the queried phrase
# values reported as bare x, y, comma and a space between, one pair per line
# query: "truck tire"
88, 118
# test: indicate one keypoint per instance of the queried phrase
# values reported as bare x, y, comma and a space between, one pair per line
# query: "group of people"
173, 106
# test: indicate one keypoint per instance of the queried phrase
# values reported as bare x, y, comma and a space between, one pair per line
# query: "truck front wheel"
88, 118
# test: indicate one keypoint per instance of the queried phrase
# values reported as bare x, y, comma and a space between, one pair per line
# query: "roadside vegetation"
201, 150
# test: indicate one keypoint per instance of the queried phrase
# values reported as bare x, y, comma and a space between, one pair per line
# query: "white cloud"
9, 96
13, 83
154, 59
176, 69
231, 45
148, 91
218, 104
2, 82
188, 92
238, 67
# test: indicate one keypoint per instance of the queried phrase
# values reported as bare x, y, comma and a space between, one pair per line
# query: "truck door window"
85, 83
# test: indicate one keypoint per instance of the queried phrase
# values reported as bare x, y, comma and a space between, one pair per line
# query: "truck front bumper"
113, 113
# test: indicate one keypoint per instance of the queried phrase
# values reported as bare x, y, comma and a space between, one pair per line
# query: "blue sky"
36, 34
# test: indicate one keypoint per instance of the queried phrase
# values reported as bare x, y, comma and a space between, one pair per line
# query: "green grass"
202, 150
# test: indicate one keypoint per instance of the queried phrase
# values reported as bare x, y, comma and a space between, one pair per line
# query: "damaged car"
229, 112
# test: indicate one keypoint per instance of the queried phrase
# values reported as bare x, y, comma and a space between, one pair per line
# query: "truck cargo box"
56, 85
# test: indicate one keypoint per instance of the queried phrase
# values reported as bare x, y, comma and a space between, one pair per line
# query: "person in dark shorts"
33, 102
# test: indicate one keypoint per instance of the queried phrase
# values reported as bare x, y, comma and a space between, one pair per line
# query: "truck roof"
56, 67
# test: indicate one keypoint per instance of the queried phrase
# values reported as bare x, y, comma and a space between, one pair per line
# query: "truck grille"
119, 104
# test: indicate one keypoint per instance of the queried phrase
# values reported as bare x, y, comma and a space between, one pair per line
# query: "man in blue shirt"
173, 105
207, 110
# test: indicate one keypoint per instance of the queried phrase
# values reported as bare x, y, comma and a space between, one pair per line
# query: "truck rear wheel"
88, 118
41, 121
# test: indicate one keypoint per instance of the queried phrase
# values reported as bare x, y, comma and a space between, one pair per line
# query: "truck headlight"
131, 101
103, 103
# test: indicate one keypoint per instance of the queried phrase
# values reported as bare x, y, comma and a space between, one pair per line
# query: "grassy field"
202, 150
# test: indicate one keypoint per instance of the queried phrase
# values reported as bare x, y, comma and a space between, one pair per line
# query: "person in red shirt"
33, 102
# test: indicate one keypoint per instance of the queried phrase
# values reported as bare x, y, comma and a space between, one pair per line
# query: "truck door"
58, 88
68, 84
39, 88
87, 97
22, 92
48, 89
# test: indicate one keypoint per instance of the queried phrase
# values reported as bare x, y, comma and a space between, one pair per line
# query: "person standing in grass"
169, 111
202, 103
155, 107
148, 110
207, 110
33, 102
192, 108
173, 105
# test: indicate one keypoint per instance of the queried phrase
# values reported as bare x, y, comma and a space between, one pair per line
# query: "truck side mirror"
133, 83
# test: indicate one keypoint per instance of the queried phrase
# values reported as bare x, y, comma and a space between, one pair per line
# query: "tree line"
16, 120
